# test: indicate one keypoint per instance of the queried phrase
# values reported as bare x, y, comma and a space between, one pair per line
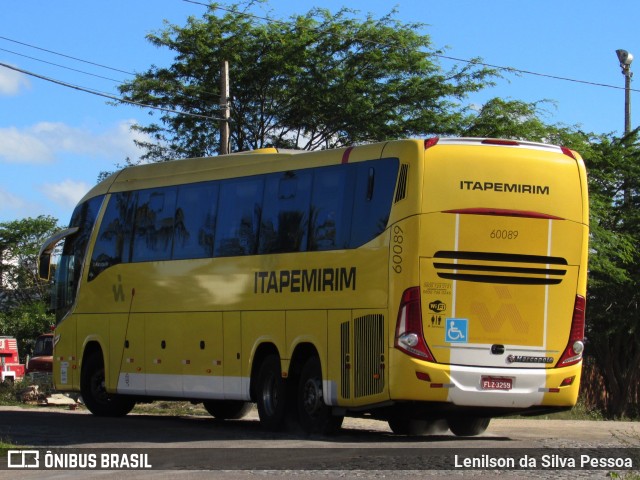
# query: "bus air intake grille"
504, 268
345, 352
368, 333
401, 189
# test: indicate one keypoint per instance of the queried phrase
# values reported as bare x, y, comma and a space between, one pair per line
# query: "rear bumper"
416, 380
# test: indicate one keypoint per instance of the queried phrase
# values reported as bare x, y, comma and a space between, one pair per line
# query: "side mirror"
44, 265
44, 256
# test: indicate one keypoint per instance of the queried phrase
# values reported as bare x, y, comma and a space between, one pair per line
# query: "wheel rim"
270, 395
312, 397
98, 387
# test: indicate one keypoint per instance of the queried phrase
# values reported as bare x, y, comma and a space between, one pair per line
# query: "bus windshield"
71, 260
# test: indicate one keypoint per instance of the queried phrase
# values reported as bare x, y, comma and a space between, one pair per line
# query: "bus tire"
271, 394
315, 415
466, 426
227, 409
94, 394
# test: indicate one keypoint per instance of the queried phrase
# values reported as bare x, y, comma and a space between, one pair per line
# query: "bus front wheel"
466, 426
314, 414
227, 409
94, 392
271, 394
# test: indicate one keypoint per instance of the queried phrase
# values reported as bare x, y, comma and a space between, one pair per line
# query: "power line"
529, 72
106, 95
198, 89
445, 57
68, 56
61, 66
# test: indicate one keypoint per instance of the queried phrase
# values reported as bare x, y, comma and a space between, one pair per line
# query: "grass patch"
170, 408
624, 476
8, 393
579, 412
5, 447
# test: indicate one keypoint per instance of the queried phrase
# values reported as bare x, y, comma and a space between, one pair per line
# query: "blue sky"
55, 140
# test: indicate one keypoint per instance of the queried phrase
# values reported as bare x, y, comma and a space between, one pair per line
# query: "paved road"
233, 443
55, 427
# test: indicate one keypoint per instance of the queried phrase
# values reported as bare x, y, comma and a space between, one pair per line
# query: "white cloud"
18, 146
46, 141
66, 193
11, 81
8, 201
14, 205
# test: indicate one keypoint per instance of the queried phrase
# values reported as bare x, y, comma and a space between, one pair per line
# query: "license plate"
496, 383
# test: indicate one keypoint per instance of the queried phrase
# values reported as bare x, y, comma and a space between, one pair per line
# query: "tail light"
409, 335
430, 142
568, 152
575, 346
500, 141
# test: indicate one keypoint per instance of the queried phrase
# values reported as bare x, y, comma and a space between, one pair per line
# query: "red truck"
11, 370
42, 359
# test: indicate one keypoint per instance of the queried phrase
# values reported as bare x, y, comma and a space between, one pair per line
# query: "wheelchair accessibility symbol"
456, 330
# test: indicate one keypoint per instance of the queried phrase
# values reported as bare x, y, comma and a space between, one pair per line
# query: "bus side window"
153, 231
113, 243
331, 207
374, 194
239, 213
285, 213
195, 220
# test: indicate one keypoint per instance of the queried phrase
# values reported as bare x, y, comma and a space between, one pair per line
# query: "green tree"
518, 120
20, 241
25, 322
613, 327
319, 80
23, 297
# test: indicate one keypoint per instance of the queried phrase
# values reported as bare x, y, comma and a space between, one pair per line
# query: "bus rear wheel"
466, 426
271, 394
94, 392
227, 409
314, 414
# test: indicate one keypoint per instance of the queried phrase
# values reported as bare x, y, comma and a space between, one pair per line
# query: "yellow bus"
415, 281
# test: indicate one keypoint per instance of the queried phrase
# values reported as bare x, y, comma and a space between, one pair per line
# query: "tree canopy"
23, 297
319, 80
20, 241
613, 312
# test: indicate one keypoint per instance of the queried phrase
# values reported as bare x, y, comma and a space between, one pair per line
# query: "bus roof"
266, 160
228, 166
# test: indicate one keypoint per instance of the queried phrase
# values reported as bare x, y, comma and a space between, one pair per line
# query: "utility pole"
224, 105
625, 58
